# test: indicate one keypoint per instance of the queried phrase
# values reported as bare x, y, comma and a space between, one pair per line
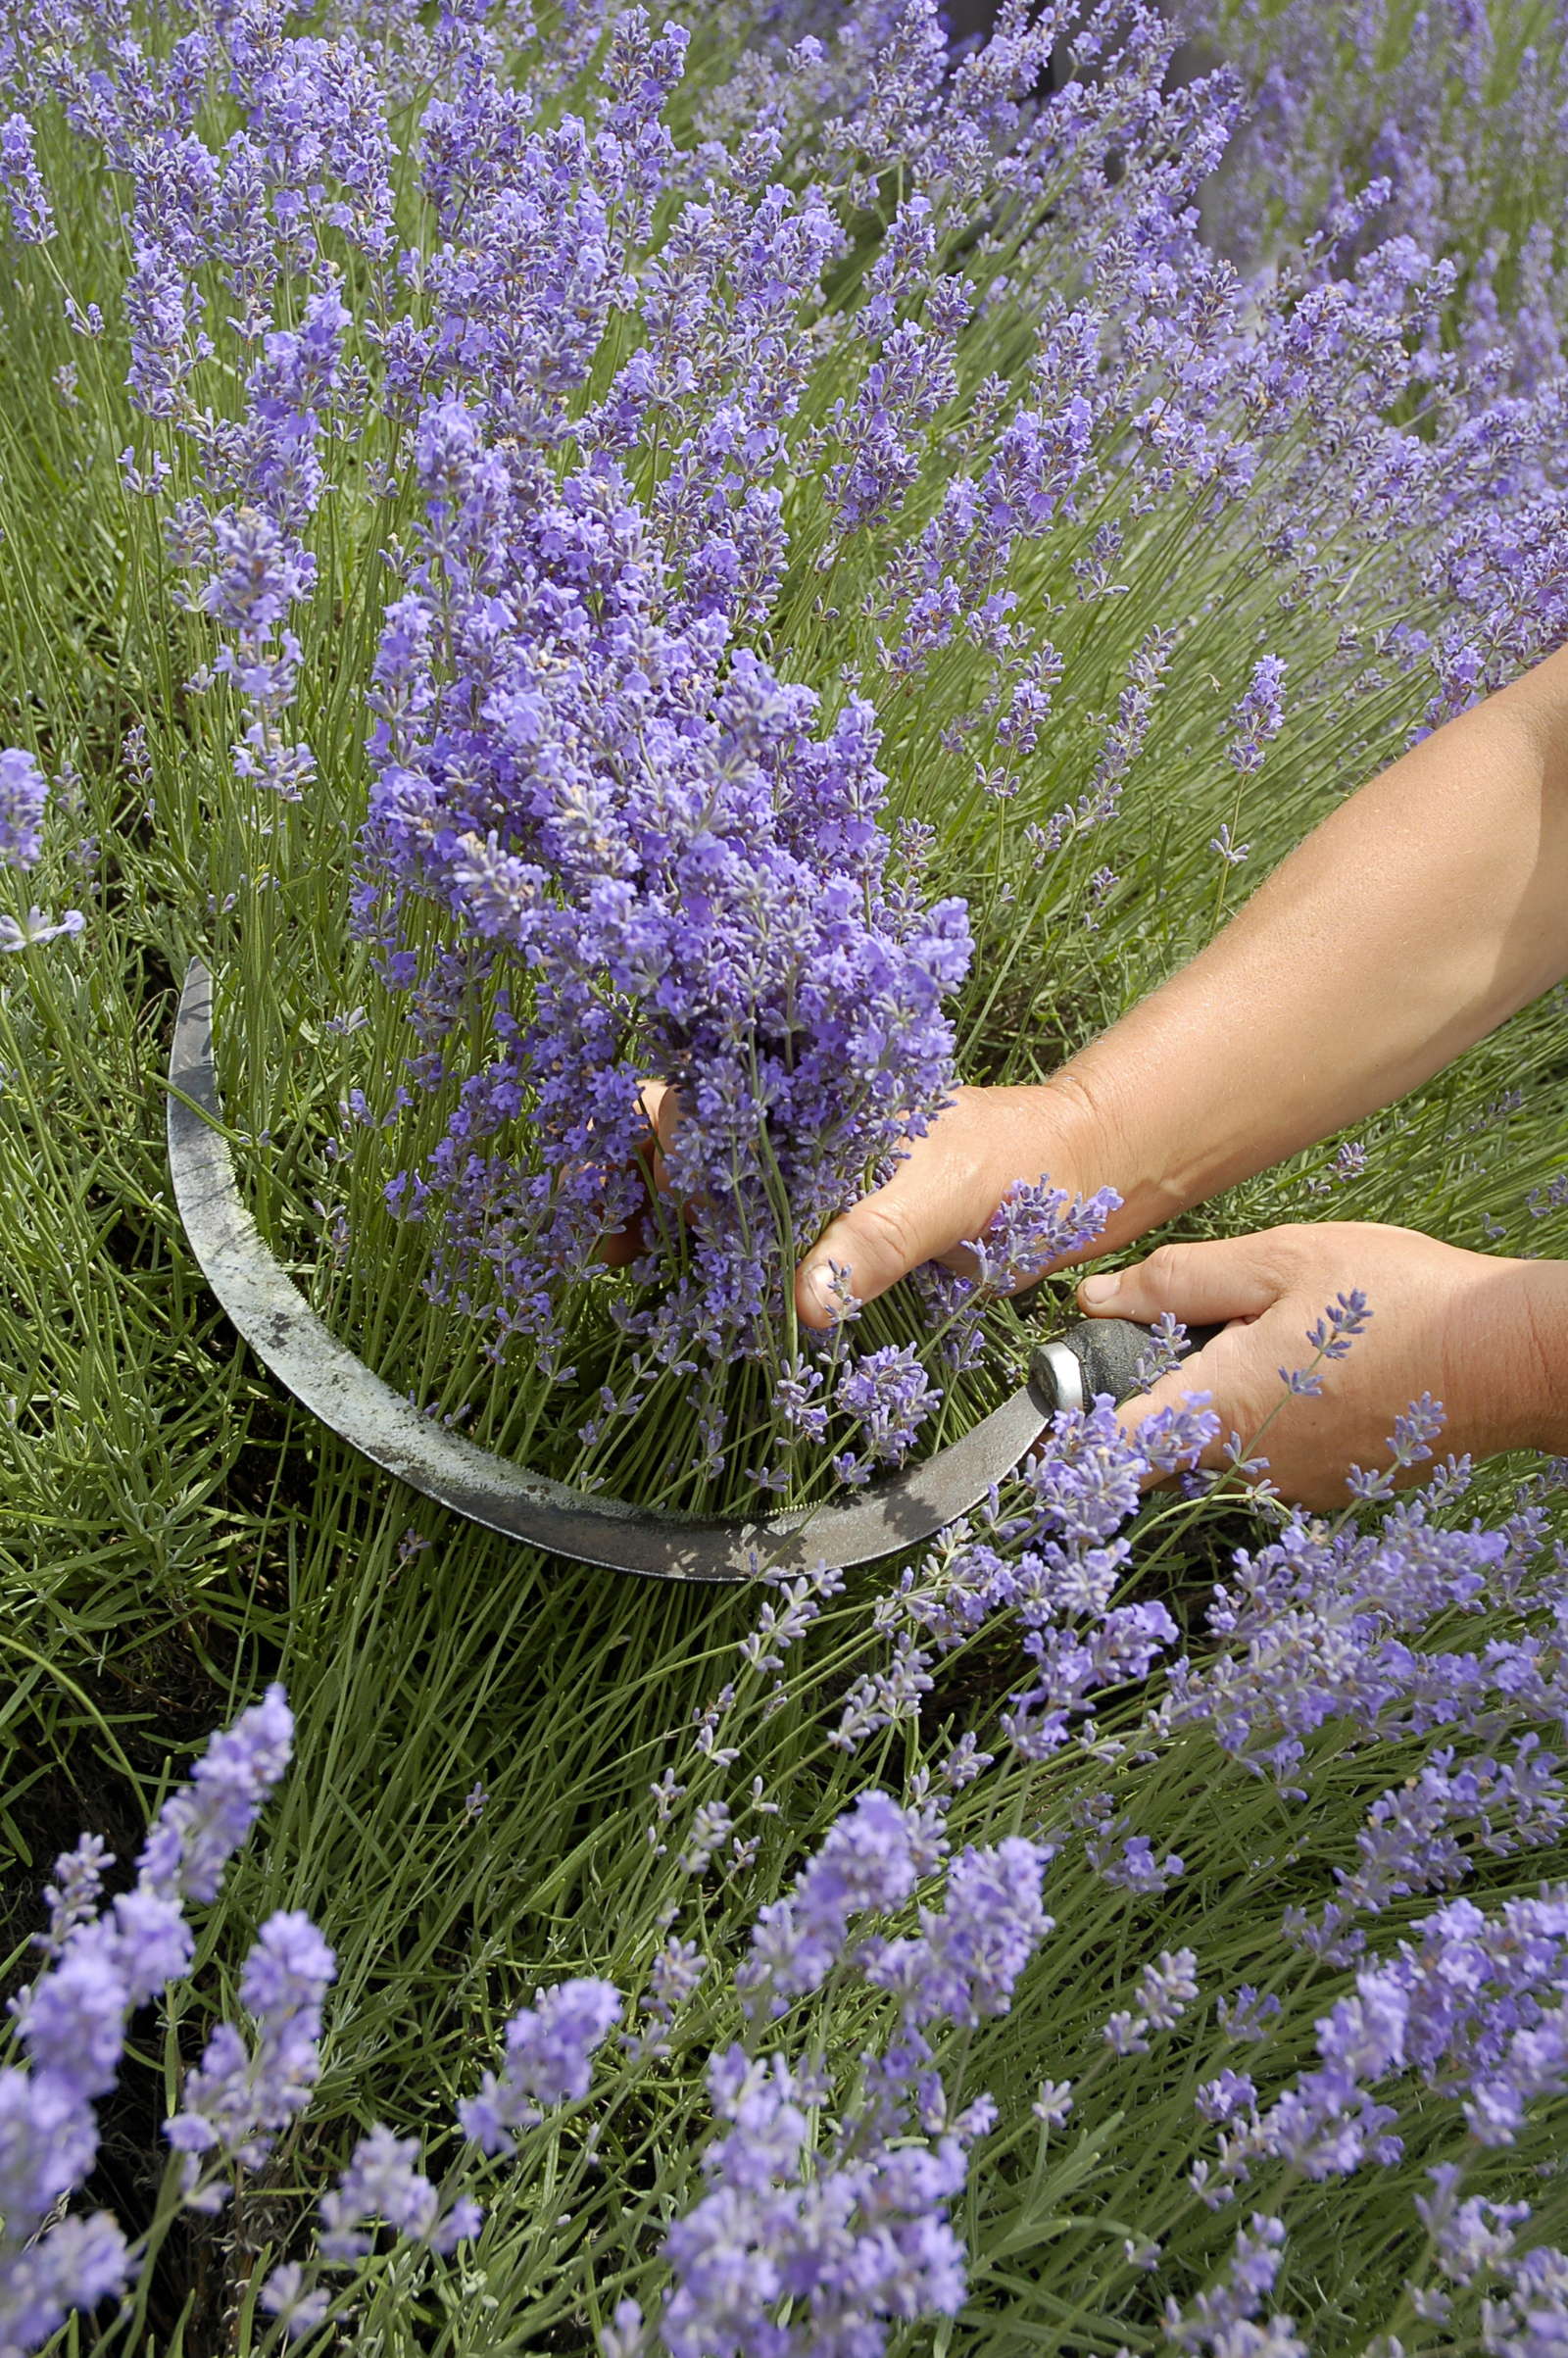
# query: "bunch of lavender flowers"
699, 889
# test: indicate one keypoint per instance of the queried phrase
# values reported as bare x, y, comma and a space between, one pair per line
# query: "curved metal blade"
288, 1336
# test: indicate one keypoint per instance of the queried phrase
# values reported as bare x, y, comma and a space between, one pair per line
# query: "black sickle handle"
1107, 1352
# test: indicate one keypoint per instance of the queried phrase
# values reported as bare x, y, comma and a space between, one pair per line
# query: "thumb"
915, 1217
1202, 1284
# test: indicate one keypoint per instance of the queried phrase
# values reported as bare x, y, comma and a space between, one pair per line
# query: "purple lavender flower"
1320, 1627
884, 1696
25, 933
1173, 1440
298, 2306
855, 2235
1034, 1226
1132, 1865
889, 1397
1411, 1443
48, 2142
1224, 2096
1222, 2319
70, 2022
1167, 1987
383, 2182
23, 794
1470, 2235
1053, 2103
793, 1392
1259, 717
964, 1962
161, 310
78, 2263
74, 1894
1244, 2015
237, 2101
32, 214
1341, 1323
1471, 2008
1163, 1353
200, 1828
1057, 1576
871, 1859
614, 881
550, 2050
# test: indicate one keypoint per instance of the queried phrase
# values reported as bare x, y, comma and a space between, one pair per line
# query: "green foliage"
174, 1532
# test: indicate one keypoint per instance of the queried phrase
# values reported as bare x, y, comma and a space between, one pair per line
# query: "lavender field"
815, 555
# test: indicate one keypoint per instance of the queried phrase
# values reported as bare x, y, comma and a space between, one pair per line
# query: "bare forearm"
1421, 914
1542, 1421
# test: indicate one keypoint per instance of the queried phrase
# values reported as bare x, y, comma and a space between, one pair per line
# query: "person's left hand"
1443, 1321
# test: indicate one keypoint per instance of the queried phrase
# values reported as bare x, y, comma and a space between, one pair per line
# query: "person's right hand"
1473, 1328
946, 1189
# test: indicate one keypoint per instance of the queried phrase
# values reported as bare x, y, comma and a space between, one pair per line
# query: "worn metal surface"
288, 1336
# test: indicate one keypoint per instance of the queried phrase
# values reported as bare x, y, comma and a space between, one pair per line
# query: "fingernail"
1096, 1292
817, 1279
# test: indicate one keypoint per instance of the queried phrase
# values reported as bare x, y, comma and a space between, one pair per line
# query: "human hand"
1463, 1326
661, 1109
946, 1189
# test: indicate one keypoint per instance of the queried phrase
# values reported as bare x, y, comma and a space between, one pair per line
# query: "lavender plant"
559, 548
822, 2065
755, 463
1446, 109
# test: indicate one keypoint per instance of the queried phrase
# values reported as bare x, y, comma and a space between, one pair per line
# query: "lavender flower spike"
22, 796
550, 2047
889, 1395
383, 2182
1033, 1227
236, 2102
32, 214
26, 933
967, 1961
77, 2264
198, 1828
1259, 715
872, 1858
